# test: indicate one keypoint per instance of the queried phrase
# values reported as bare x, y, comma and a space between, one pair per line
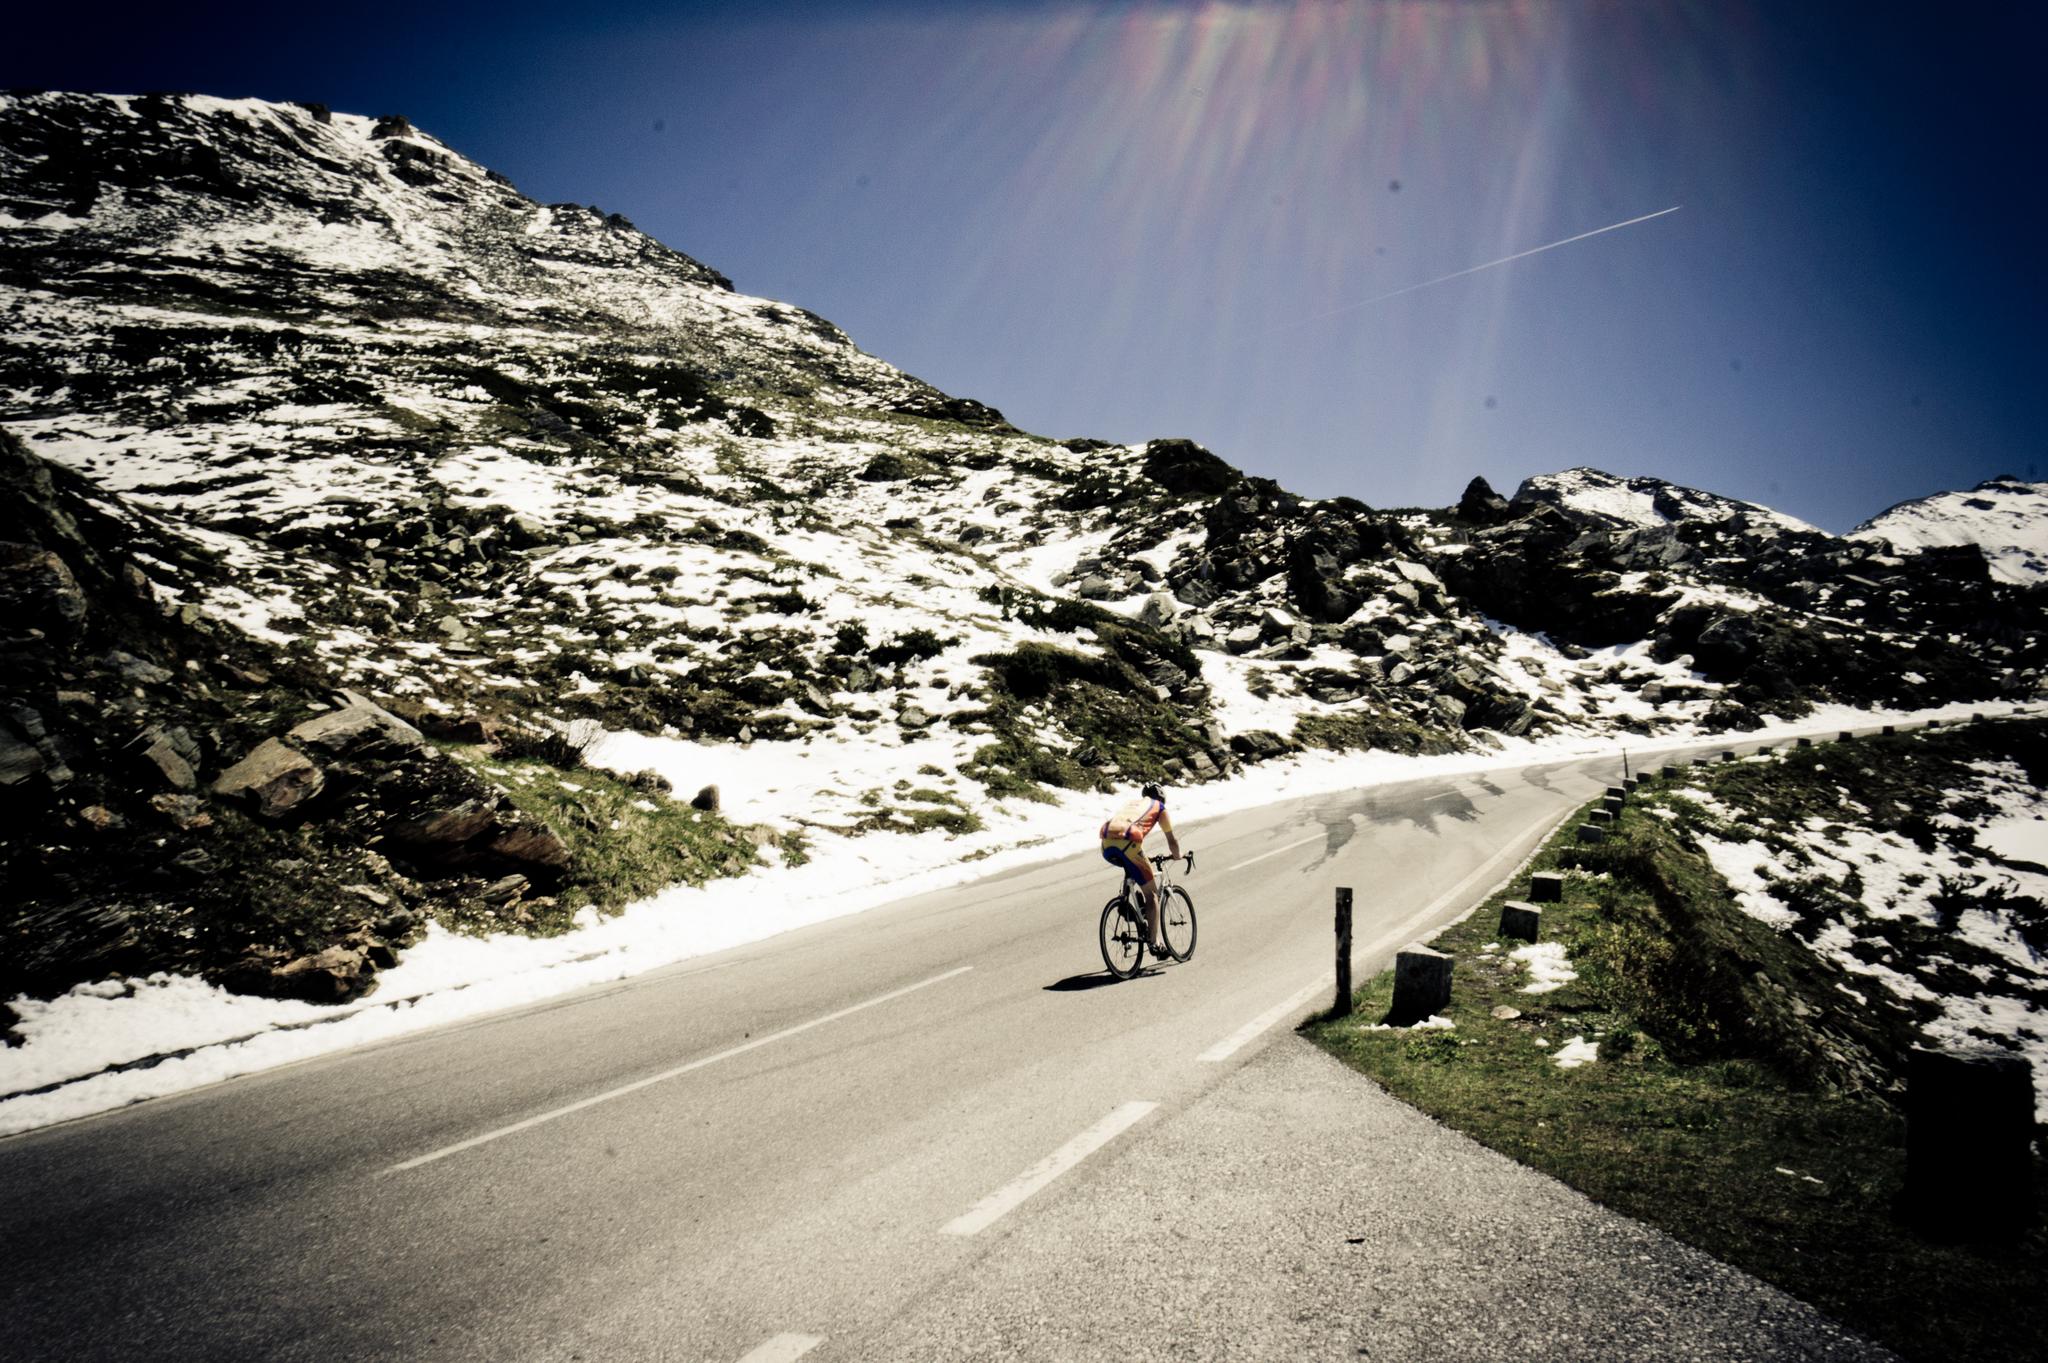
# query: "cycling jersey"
1134, 822
1124, 834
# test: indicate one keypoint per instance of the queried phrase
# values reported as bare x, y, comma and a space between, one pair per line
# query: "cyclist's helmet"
1153, 792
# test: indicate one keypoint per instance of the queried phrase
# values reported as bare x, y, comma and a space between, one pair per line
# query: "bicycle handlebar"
1187, 857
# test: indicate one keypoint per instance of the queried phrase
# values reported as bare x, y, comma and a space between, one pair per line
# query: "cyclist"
1123, 844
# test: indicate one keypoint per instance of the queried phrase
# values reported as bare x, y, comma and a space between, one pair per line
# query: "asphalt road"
789, 1149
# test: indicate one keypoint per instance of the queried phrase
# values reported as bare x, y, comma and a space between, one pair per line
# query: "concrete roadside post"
1521, 920
1422, 984
1969, 1143
1546, 887
1342, 1007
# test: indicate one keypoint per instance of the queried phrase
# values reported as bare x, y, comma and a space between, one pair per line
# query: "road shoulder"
1296, 1210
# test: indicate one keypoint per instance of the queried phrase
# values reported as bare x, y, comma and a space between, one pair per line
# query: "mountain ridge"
2005, 517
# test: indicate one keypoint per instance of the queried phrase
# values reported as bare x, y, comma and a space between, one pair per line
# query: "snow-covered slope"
483, 459
2005, 517
1642, 503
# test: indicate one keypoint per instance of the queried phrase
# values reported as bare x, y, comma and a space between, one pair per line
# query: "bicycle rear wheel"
1177, 909
1123, 939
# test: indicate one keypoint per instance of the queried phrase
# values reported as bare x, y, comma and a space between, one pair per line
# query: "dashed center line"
651, 1079
782, 1349
1276, 852
1007, 1198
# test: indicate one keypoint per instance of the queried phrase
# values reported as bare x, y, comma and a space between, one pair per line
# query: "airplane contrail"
1475, 269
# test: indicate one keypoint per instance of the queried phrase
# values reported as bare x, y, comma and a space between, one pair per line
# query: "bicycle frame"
1124, 947
1161, 881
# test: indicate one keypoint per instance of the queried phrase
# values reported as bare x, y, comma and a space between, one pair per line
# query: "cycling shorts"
1130, 856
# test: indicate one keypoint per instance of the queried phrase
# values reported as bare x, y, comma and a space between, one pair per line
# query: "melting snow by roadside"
1432, 1023
1576, 1052
1548, 967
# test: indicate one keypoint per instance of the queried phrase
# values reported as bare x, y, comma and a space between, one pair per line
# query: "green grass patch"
624, 842
1118, 723
1740, 1101
914, 811
1106, 702
1354, 732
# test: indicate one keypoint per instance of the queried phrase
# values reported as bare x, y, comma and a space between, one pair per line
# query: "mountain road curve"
769, 1153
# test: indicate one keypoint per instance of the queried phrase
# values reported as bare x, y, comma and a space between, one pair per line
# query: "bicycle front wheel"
1123, 939
1178, 929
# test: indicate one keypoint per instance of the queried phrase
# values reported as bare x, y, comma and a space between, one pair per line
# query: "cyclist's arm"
1166, 827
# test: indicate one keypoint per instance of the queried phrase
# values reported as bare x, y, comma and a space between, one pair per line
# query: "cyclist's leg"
1131, 856
1149, 885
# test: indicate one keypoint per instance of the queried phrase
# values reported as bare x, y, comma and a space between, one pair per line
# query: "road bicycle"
1124, 941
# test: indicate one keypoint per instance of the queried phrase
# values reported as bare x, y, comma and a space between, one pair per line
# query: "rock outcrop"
166, 811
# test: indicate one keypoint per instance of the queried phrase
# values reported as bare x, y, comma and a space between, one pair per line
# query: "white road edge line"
782, 1349
1011, 1195
1541, 831
1275, 852
1231, 1044
1238, 1039
652, 1079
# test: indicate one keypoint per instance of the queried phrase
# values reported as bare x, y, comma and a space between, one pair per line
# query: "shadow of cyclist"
1074, 984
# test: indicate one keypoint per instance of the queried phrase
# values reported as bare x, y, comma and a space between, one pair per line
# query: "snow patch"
1576, 1052
1549, 967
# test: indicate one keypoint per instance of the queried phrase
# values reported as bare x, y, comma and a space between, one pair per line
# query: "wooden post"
1343, 1007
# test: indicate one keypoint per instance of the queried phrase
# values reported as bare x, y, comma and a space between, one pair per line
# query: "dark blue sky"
1135, 220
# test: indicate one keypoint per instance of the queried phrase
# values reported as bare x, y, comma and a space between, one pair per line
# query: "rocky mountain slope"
180, 795
322, 389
